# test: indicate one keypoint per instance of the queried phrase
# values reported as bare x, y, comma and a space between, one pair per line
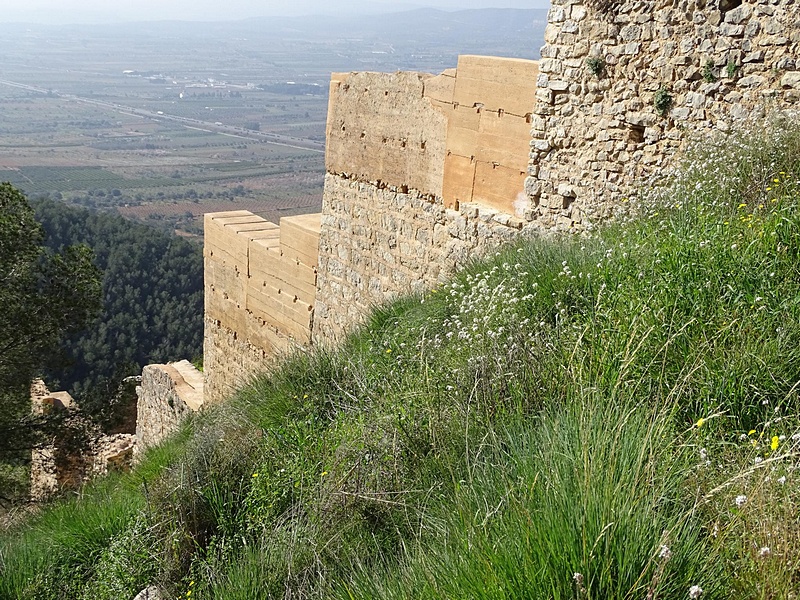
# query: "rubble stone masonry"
166, 395
622, 85
423, 173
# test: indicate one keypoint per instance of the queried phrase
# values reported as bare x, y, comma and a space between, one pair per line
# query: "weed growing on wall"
708, 72
662, 101
596, 65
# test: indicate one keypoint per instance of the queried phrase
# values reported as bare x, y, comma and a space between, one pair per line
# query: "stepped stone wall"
260, 286
596, 136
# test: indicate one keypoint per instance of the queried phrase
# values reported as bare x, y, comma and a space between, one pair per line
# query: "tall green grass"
612, 416
585, 501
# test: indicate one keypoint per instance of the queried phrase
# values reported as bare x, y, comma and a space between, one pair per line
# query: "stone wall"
75, 453
423, 173
596, 129
260, 286
166, 395
368, 257
382, 127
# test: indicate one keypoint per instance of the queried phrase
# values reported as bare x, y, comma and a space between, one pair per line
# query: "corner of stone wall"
167, 395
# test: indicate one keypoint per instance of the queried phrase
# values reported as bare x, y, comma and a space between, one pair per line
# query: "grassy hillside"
613, 416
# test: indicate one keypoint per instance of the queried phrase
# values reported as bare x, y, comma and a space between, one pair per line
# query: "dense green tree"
152, 301
44, 296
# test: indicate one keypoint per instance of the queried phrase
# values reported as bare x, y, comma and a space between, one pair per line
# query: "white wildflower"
695, 591
740, 500
764, 552
664, 553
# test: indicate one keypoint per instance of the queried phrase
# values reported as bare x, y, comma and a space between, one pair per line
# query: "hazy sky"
83, 11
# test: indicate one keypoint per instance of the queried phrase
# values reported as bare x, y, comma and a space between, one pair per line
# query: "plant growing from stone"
662, 101
731, 69
596, 65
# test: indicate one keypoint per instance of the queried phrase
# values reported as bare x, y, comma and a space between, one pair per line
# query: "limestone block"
208, 217
498, 186
222, 232
440, 87
226, 280
230, 315
284, 283
507, 84
268, 260
166, 395
459, 178
291, 318
463, 123
265, 337
504, 139
739, 14
300, 238
791, 80
382, 128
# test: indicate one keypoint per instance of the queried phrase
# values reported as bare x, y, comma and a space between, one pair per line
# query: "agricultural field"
159, 169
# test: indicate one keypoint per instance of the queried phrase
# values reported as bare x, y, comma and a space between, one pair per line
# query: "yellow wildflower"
700, 422
388, 351
775, 442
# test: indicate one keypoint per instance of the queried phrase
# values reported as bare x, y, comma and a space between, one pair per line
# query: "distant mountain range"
101, 12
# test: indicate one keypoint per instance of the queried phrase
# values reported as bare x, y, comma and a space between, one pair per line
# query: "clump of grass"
708, 72
596, 65
65, 548
662, 101
584, 501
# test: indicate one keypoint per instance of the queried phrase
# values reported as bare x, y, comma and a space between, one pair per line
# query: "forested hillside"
152, 299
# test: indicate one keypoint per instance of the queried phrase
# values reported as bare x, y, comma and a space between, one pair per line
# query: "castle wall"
369, 256
595, 136
423, 173
167, 394
75, 453
260, 288
382, 127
